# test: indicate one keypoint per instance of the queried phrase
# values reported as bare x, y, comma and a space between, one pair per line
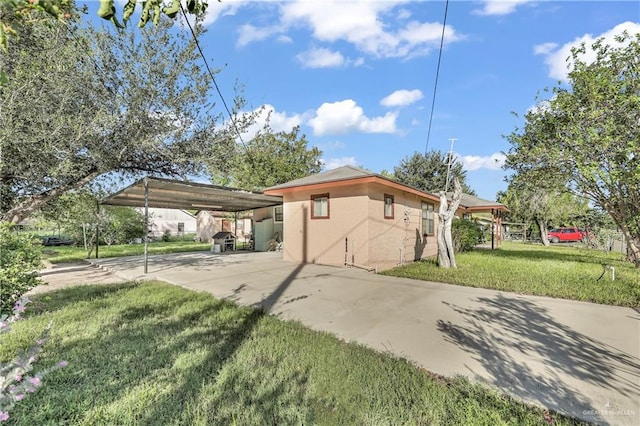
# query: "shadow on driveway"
531, 332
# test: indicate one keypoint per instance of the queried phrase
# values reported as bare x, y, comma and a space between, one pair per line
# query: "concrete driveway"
577, 358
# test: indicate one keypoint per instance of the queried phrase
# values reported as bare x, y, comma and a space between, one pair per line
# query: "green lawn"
161, 355
71, 254
557, 271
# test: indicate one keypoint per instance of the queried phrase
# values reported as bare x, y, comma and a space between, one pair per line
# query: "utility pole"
446, 185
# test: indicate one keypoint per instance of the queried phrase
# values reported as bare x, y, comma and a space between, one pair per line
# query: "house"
210, 223
350, 216
261, 226
171, 221
268, 227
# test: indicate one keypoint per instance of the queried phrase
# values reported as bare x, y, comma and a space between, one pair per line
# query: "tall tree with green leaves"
86, 104
588, 134
545, 203
428, 172
268, 159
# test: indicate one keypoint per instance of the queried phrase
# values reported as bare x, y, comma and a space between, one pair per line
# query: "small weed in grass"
564, 272
158, 354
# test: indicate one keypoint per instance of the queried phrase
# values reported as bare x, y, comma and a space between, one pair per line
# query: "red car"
567, 234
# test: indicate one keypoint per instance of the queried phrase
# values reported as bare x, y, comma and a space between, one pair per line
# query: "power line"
435, 86
215, 83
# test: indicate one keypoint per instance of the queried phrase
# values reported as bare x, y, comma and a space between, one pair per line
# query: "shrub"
20, 256
465, 234
166, 236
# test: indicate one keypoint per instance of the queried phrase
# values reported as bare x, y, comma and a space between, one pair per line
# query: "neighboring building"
349, 216
210, 223
268, 228
172, 221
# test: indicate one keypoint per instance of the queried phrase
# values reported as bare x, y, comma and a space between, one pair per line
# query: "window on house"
320, 206
181, 227
388, 206
427, 219
278, 213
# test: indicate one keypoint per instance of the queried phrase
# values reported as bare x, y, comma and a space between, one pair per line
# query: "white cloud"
250, 33
334, 163
500, 7
278, 121
494, 161
544, 48
542, 106
320, 58
284, 39
403, 14
368, 25
556, 58
346, 116
402, 98
218, 9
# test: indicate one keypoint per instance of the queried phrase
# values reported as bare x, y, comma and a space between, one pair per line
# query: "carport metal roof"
174, 194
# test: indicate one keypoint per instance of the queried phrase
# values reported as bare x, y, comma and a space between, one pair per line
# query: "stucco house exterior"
350, 216
172, 221
210, 223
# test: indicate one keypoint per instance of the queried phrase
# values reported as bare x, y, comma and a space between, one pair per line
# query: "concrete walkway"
580, 359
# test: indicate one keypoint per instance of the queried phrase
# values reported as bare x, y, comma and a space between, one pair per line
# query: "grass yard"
557, 271
158, 354
61, 254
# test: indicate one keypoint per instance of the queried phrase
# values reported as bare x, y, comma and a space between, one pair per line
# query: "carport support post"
146, 223
493, 230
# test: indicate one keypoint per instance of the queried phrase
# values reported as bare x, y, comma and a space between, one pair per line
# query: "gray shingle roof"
353, 172
333, 175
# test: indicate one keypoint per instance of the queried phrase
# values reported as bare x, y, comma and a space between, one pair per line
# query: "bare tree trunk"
446, 212
29, 205
443, 254
633, 252
544, 236
633, 246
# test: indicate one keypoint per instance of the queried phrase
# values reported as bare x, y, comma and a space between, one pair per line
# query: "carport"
175, 194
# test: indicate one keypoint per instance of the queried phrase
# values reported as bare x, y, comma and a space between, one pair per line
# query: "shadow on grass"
502, 331
172, 356
565, 254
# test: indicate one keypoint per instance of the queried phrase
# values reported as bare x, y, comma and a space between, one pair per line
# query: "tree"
86, 104
15, 13
588, 135
428, 172
446, 213
544, 202
269, 159
77, 214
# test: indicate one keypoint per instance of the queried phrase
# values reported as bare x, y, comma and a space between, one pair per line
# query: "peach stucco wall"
356, 231
323, 240
399, 240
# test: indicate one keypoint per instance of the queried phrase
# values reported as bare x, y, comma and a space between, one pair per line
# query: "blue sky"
358, 76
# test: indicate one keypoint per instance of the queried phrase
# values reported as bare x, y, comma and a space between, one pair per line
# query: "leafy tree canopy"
545, 203
588, 135
428, 172
83, 104
16, 13
266, 160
